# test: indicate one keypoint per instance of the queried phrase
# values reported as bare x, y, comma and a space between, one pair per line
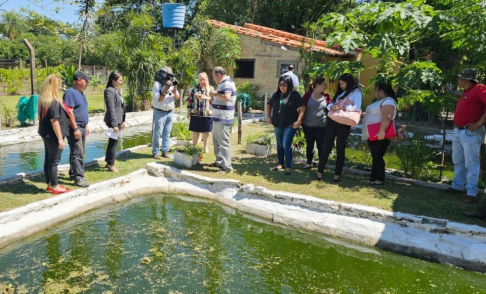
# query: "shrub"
261, 139
416, 159
299, 144
181, 131
8, 114
191, 149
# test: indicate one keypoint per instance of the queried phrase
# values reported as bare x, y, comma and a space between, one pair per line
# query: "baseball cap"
79, 75
469, 74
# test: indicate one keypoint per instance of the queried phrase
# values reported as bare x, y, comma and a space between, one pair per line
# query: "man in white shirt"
295, 79
164, 96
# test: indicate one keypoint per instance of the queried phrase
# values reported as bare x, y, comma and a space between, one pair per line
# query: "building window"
245, 68
283, 66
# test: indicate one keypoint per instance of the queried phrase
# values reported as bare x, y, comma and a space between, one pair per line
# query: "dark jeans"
340, 133
313, 136
51, 160
110, 151
284, 145
77, 149
378, 150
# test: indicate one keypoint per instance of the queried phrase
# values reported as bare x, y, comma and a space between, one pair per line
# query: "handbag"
349, 118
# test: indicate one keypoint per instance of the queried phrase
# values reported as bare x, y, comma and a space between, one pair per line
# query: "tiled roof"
279, 37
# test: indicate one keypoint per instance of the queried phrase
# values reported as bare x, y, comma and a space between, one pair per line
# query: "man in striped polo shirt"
224, 99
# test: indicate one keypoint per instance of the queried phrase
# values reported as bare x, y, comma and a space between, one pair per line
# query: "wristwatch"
75, 129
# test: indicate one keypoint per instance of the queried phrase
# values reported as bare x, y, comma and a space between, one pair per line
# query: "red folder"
373, 130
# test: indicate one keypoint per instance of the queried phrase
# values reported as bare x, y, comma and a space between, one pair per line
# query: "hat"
469, 74
79, 75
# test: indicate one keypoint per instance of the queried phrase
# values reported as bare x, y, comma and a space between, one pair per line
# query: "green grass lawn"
9, 103
257, 170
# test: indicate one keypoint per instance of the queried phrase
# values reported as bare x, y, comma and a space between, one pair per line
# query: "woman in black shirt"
285, 112
53, 128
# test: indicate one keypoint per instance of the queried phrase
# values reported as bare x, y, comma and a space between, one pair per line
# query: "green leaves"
335, 68
420, 75
389, 44
225, 47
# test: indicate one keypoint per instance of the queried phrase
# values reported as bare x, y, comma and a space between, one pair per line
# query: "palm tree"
87, 15
12, 24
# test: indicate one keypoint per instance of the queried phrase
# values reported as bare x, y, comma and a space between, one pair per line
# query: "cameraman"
164, 93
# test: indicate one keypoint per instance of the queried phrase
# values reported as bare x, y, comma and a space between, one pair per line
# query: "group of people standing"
213, 111
68, 117
208, 110
287, 111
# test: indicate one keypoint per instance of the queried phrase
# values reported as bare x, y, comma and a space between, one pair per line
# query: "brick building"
266, 54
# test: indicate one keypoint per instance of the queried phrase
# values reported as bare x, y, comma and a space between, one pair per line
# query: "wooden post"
265, 108
33, 86
240, 115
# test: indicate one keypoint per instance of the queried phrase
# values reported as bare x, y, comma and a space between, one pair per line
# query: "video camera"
164, 77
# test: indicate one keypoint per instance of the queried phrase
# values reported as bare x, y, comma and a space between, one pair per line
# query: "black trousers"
313, 136
378, 150
340, 133
51, 160
110, 151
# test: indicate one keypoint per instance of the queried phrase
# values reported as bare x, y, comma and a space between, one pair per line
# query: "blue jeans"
284, 145
465, 156
162, 128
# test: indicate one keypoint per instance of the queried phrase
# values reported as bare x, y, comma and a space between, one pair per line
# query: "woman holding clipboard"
377, 127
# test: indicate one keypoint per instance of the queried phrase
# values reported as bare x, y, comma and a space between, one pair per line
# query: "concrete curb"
432, 239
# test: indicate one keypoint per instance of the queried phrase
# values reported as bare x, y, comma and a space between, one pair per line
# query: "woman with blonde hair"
199, 111
54, 120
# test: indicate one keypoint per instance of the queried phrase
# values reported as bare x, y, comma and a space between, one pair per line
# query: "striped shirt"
224, 110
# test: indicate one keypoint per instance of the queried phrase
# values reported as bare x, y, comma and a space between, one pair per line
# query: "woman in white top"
382, 111
336, 131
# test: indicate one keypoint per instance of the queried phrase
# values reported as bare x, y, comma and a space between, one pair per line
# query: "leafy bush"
261, 139
181, 131
299, 144
67, 74
415, 159
250, 89
8, 115
13, 78
191, 149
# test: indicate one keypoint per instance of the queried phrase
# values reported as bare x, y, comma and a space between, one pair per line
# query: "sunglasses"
282, 85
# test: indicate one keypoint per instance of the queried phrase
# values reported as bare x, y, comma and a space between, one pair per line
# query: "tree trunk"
79, 62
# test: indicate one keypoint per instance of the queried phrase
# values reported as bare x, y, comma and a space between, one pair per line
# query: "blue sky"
67, 12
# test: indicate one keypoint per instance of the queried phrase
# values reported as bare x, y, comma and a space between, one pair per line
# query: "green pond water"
166, 244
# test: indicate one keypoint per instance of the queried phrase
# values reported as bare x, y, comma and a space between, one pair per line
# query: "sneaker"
157, 156
165, 154
82, 182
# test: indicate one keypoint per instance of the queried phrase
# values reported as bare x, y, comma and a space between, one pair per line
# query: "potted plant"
187, 156
180, 130
259, 145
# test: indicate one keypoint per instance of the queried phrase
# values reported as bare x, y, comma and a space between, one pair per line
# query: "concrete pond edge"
432, 239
